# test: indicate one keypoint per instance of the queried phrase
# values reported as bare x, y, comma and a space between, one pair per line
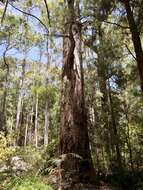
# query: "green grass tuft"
29, 183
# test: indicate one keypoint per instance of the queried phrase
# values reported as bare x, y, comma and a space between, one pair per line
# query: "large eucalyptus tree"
74, 140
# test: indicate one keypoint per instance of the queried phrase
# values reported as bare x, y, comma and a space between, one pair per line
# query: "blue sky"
34, 52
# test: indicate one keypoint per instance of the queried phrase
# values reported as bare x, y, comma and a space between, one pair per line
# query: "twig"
48, 13
107, 22
130, 52
124, 27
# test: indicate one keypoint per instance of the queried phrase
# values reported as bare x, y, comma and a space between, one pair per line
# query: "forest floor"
29, 168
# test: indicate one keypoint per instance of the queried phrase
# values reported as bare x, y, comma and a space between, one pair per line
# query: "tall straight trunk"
128, 138
26, 130
102, 78
129, 148
46, 125
20, 103
36, 121
19, 121
3, 111
136, 39
19, 110
31, 127
74, 138
101, 70
21, 138
115, 131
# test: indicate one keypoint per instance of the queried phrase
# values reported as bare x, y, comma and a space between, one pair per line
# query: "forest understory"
39, 169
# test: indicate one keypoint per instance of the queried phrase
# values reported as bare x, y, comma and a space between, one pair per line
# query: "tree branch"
5, 9
4, 57
48, 13
130, 52
113, 23
41, 22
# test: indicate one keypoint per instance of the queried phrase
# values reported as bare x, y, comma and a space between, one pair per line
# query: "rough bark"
74, 138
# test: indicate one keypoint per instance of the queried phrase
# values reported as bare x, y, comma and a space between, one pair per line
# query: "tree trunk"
3, 111
20, 104
136, 40
31, 127
115, 132
36, 121
26, 130
101, 70
102, 77
19, 109
21, 135
128, 138
74, 140
46, 125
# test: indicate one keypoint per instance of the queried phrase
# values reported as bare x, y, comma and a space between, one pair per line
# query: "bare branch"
113, 23
41, 22
5, 9
4, 57
130, 52
48, 13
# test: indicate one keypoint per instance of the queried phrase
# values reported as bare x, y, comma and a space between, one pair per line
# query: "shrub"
5, 152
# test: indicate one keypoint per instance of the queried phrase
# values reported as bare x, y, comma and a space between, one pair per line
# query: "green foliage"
5, 151
50, 155
52, 149
31, 155
27, 183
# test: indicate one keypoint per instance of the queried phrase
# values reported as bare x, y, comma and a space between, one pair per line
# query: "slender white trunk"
31, 131
19, 108
26, 130
20, 100
36, 122
46, 125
